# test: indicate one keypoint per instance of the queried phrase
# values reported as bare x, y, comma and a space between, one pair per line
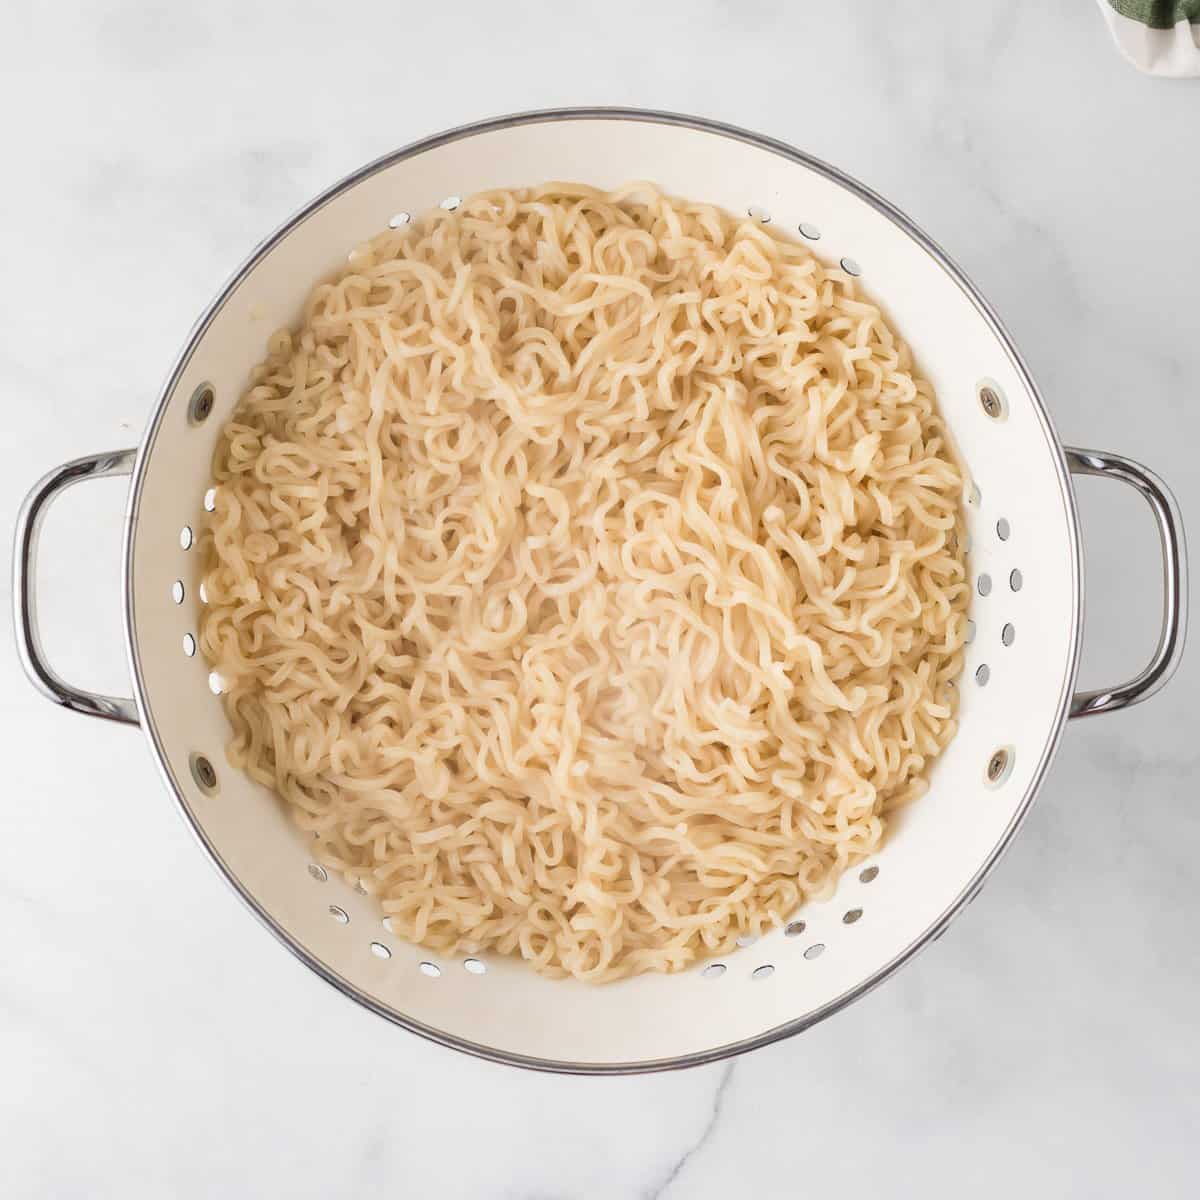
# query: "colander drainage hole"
1008, 634
340, 915
794, 929
387, 924
399, 219
430, 969
983, 674
1016, 581
186, 538
713, 970
189, 645
318, 872
867, 874
759, 214
380, 950
451, 203
815, 950
746, 939
1003, 529
216, 684
984, 585
177, 592
763, 972
809, 231
210, 500
474, 966
851, 267
854, 915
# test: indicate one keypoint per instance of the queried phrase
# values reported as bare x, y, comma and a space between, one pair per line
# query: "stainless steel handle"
1174, 554
29, 643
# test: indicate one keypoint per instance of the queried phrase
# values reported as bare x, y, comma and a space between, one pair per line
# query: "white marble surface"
155, 1042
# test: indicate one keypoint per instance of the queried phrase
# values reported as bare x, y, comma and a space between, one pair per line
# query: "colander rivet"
989, 400
203, 773
201, 404
996, 765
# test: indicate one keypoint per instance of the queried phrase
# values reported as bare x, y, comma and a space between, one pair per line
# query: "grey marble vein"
677, 1168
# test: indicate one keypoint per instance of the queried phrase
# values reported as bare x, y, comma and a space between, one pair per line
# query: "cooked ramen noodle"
587, 577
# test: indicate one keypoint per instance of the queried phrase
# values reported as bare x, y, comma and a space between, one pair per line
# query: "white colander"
1016, 690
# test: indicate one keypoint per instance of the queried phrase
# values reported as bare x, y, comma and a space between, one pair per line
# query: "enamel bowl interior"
1013, 690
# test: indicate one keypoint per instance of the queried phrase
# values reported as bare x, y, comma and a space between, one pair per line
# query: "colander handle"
1174, 554
29, 642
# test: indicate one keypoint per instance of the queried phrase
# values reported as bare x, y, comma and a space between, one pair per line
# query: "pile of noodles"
586, 576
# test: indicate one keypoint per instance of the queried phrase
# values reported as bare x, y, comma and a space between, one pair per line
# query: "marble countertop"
155, 1042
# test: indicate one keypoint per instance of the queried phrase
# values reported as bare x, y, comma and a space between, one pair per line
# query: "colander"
1017, 689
